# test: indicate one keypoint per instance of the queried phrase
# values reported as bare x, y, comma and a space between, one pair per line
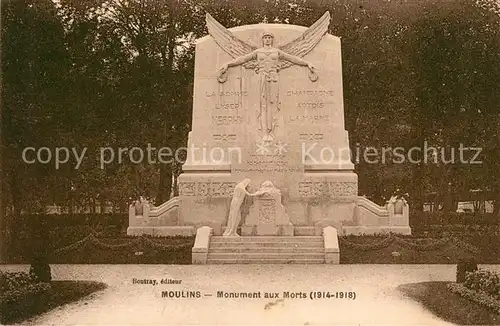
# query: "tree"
456, 72
34, 66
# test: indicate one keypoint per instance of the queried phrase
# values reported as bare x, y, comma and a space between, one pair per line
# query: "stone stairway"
266, 250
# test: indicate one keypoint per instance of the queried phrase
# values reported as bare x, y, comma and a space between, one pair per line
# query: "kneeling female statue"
234, 219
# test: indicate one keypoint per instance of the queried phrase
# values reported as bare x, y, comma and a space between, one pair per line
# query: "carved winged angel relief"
267, 60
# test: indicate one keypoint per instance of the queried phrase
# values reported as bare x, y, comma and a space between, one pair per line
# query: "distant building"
99, 209
473, 201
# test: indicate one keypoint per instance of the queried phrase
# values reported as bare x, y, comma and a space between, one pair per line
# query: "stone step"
266, 255
268, 239
260, 249
266, 261
267, 244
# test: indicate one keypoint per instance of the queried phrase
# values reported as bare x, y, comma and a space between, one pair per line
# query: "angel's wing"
307, 41
228, 42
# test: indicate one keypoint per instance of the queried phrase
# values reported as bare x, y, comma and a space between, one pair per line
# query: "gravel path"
377, 301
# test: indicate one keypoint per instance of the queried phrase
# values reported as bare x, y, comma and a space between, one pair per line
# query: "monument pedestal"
267, 215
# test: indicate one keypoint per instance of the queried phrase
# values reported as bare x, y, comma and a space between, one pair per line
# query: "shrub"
18, 292
40, 270
18, 295
116, 219
10, 281
17, 301
483, 281
478, 297
463, 267
425, 219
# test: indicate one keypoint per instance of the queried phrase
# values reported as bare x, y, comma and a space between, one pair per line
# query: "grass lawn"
112, 250
180, 253
60, 293
449, 253
449, 306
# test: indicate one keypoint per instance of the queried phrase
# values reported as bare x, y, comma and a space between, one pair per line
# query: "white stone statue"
399, 211
140, 206
234, 219
398, 203
267, 60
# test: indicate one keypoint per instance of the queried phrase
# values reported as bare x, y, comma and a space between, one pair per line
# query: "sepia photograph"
250, 162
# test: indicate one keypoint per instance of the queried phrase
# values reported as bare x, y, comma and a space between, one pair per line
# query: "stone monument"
268, 107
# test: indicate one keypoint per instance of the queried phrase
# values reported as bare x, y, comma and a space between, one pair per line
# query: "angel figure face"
245, 183
267, 40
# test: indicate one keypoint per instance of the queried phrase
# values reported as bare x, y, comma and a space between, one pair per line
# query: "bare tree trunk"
3, 253
176, 187
168, 182
418, 178
2, 218
165, 184
496, 204
15, 217
160, 195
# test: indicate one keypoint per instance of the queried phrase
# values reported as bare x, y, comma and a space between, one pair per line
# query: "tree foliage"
116, 73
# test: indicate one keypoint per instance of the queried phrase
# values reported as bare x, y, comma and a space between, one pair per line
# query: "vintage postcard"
207, 162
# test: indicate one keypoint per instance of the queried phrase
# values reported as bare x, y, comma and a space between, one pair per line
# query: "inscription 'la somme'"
226, 93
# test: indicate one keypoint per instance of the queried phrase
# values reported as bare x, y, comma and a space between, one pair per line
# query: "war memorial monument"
268, 176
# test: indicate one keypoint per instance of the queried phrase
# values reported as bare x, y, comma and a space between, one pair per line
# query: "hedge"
120, 220
464, 267
420, 219
480, 286
480, 298
51, 220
